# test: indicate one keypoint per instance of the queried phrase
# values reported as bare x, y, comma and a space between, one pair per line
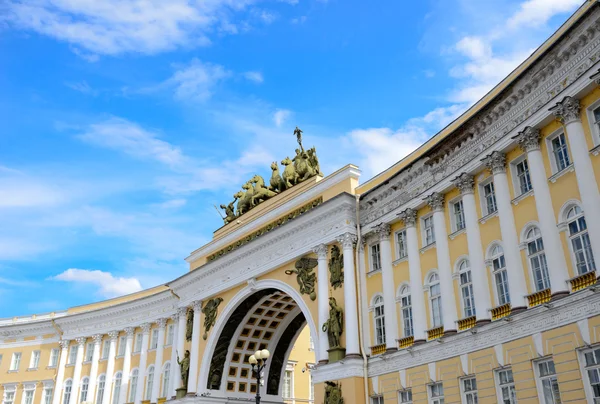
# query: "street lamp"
258, 361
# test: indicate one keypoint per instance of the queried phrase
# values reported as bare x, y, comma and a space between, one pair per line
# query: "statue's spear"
222, 217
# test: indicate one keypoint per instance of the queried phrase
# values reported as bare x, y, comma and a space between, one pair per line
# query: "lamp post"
258, 361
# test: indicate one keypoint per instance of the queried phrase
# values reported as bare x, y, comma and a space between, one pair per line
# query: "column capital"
465, 183
567, 110
113, 335
320, 250
64, 343
174, 316
347, 240
182, 311
97, 338
529, 139
146, 327
197, 306
81, 340
383, 230
495, 162
161, 322
409, 217
129, 331
435, 201
361, 246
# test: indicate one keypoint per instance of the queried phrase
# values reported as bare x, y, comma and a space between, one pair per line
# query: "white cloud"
107, 284
298, 20
533, 13
280, 116
256, 77
21, 192
197, 80
171, 204
82, 87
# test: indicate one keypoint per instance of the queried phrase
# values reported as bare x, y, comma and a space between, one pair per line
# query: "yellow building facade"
465, 273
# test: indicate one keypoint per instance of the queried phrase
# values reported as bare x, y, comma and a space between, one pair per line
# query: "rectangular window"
458, 215
47, 395
377, 400
506, 386
9, 397
170, 333
105, 349
523, 178
428, 235
405, 396
154, 340
469, 390
122, 345
375, 258
287, 384
401, 244
89, 352
436, 393
489, 197
28, 397
35, 360
53, 358
407, 320
560, 152
596, 125
16, 361
592, 370
138, 342
547, 382
72, 354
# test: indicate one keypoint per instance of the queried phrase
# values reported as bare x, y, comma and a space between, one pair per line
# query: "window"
47, 395
375, 258
35, 360
435, 299
101, 385
53, 357
595, 117
506, 384
154, 340
117, 387
580, 241
469, 390
560, 153
592, 369
122, 344
377, 400
379, 319
67, 391
105, 349
405, 396
406, 307
401, 244
436, 393
9, 396
500, 275
537, 259
489, 198
89, 352
28, 396
547, 382
149, 382
138, 342
523, 178
428, 234
287, 384
458, 216
165, 380
170, 333
72, 354
85, 383
466, 289
16, 361
133, 385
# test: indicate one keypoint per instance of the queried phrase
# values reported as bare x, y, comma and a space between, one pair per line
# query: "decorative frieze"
435, 201
465, 183
409, 217
495, 162
529, 139
567, 110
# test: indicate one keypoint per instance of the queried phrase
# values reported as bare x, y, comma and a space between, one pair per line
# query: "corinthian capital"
347, 240
321, 251
113, 335
197, 306
567, 110
465, 183
81, 340
495, 162
161, 322
129, 331
409, 217
383, 231
529, 139
182, 311
64, 343
435, 201
97, 338
146, 327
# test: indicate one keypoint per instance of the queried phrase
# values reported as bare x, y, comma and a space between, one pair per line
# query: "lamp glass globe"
252, 360
265, 354
258, 354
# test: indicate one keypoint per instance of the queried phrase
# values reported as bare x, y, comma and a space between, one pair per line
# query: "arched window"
580, 241
406, 307
133, 385
537, 259
466, 288
67, 391
500, 275
379, 319
100, 394
84, 389
435, 299
117, 387
149, 382
165, 380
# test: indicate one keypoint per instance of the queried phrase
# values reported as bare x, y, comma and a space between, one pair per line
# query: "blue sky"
124, 122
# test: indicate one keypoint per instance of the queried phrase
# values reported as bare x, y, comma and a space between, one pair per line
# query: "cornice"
349, 367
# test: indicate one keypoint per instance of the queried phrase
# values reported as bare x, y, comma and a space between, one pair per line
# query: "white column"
529, 140
174, 365
182, 311
436, 201
417, 297
195, 353
389, 289
322, 301
347, 241
74, 399
517, 290
94, 368
139, 391
158, 363
60, 374
483, 304
110, 367
567, 112
126, 365
364, 302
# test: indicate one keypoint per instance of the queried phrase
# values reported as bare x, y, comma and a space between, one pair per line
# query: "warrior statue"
333, 393
305, 276
189, 327
298, 133
210, 314
336, 266
335, 324
184, 367
229, 212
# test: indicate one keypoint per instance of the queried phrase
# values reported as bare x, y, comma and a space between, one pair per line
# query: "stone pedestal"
336, 354
180, 392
